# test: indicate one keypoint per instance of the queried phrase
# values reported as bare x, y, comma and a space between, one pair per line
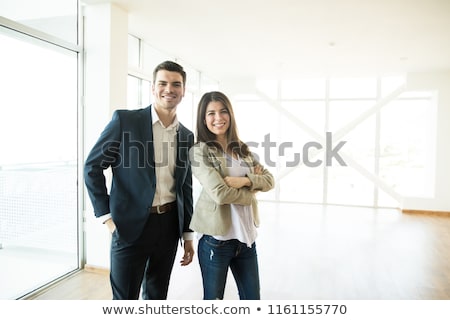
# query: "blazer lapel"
219, 161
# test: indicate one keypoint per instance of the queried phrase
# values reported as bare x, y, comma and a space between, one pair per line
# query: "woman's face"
217, 118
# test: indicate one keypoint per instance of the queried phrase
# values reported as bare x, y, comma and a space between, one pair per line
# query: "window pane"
407, 135
342, 113
360, 144
184, 111
151, 58
310, 113
133, 51
350, 183
304, 184
146, 93
360, 137
346, 186
251, 120
55, 17
192, 77
38, 164
132, 92
254, 121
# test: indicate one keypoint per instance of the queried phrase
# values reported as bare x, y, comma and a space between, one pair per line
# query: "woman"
226, 212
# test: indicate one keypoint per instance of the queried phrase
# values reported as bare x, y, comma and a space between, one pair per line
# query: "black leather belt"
163, 208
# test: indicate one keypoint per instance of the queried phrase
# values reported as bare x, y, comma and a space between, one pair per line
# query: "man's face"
168, 89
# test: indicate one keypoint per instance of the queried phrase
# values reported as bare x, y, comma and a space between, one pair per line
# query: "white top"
242, 225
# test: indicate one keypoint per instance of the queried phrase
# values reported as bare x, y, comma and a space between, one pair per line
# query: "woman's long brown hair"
235, 145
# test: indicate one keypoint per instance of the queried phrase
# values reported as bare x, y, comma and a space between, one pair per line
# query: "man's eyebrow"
165, 81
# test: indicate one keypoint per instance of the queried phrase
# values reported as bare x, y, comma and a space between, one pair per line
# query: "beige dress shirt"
165, 148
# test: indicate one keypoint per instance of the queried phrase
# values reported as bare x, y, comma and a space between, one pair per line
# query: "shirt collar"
155, 118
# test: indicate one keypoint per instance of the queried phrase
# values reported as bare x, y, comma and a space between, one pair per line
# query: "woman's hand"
258, 169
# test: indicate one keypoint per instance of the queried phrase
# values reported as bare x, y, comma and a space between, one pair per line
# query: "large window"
382, 136
38, 161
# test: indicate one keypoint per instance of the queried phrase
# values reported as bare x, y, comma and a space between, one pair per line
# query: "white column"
106, 65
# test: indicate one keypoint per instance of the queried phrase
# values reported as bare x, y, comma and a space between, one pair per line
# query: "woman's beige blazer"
212, 213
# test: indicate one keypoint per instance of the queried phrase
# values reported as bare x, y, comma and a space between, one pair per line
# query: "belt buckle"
158, 210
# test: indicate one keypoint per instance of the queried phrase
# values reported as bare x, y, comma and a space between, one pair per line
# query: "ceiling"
253, 38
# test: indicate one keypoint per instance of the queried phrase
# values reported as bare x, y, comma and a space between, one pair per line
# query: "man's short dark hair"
170, 66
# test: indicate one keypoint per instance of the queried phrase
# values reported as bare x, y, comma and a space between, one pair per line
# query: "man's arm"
104, 154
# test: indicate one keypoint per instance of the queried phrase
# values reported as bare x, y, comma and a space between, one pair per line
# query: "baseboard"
96, 269
427, 212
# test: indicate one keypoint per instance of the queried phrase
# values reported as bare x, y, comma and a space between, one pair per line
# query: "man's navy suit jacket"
126, 146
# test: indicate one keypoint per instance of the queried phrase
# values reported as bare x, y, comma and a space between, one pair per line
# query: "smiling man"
149, 207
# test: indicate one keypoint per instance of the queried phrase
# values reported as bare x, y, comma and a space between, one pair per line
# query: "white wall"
106, 42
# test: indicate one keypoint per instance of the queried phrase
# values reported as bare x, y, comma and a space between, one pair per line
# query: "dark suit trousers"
147, 261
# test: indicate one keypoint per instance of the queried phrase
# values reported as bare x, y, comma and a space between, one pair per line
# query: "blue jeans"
215, 256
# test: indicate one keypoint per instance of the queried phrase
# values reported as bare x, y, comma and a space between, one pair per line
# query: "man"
149, 207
